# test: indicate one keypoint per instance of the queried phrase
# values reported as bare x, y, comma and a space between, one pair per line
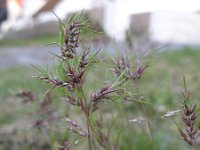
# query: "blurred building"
171, 21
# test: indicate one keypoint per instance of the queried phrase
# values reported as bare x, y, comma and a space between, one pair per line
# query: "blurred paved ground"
25, 55
38, 55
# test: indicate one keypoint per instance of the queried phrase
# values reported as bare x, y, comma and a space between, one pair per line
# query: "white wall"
117, 14
173, 27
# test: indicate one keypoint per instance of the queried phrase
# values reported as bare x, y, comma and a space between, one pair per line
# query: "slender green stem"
149, 127
147, 116
89, 133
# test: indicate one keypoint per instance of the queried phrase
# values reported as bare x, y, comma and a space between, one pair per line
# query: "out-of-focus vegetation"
32, 41
45, 40
39, 40
160, 86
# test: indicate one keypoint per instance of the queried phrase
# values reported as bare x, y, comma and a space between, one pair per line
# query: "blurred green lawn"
38, 40
46, 39
161, 85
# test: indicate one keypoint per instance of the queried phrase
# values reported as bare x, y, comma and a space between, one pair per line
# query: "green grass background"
161, 85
